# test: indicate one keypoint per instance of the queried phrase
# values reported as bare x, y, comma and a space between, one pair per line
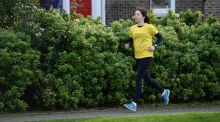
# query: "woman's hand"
151, 48
127, 45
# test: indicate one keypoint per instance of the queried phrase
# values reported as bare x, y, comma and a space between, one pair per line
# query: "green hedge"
18, 62
52, 61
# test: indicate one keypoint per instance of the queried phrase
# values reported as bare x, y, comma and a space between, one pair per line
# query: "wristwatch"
155, 45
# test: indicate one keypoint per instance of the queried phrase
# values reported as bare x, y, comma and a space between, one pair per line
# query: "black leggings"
143, 72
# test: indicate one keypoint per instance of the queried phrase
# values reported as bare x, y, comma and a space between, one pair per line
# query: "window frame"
160, 12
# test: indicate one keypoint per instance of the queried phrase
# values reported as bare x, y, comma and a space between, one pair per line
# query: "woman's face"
138, 16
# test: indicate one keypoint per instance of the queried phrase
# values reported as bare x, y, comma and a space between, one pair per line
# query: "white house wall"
98, 9
66, 5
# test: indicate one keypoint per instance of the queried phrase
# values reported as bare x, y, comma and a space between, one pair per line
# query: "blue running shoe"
131, 106
165, 96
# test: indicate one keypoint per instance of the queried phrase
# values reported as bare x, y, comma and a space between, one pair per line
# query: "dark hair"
144, 14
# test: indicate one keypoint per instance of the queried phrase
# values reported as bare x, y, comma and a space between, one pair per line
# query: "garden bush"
18, 62
60, 61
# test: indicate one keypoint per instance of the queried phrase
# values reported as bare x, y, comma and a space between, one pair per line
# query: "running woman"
141, 38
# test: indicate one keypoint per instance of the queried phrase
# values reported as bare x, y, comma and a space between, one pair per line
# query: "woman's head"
141, 15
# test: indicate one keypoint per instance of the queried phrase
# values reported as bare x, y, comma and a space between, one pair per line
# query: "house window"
161, 7
161, 3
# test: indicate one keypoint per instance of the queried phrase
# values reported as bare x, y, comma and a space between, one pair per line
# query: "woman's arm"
159, 39
157, 43
129, 43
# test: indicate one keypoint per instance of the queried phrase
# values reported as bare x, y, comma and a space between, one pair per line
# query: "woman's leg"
143, 66
164, 92
141, 71
149, 80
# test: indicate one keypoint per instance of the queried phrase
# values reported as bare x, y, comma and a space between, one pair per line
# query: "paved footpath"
90, 113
